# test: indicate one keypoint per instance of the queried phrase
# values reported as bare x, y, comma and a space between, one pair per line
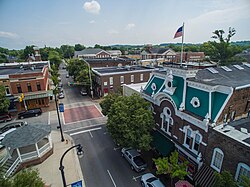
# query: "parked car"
60, 84
67, 76
61, 95
5, 117
60, 89
12, 125
83, 92
149, 180
134, 159
30, 113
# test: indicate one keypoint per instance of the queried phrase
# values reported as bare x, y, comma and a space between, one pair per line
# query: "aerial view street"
131, 93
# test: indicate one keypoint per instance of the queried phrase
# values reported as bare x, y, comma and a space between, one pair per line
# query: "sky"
108, 22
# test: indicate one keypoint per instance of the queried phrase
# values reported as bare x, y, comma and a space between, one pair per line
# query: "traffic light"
21, 98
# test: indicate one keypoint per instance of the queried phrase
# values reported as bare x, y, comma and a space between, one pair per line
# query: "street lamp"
61, 168
90, 79
59, 121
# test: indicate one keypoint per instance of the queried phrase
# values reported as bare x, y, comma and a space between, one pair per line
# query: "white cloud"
113, 31
92, 21
8, 35
92, 7
130, 26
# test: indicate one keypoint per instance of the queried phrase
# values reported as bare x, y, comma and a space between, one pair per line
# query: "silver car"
134, 158
149, 180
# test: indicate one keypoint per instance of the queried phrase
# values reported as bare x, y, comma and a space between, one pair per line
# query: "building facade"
110, 62
92, 53
110, 79
186, 103
29, 81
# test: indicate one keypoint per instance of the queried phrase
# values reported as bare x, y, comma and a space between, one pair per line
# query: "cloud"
113, 31
92, 7
130, 26
92, 21
8, 35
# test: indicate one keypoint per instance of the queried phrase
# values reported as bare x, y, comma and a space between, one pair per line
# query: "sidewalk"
49, 169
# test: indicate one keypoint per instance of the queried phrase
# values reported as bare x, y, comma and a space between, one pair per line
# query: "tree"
79, 47
3, 58
4, 102
67, 51
54, 72
222, 48
80, 70
171, 166
107, 102
130, 122
224, 179
54, 58
26, 177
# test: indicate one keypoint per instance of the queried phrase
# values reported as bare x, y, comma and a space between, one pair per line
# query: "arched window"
242, 169
167, 121
217, 159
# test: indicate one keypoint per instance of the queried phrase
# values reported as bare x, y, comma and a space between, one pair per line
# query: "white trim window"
197, 141
7, 90
122, 79
141, 77
188, 137
110, 80
242, 169
132, 78
167, 121
217, 159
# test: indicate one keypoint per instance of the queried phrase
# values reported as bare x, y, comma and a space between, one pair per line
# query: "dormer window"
195, 102
169, 83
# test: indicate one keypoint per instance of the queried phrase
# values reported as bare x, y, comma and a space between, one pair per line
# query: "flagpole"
182, 43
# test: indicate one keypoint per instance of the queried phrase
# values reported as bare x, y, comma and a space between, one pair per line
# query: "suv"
134, 158
5, 117
30, 113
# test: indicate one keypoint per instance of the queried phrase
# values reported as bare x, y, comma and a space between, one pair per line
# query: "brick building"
109, 62
188, 103
110, 79
28, 78
190, 57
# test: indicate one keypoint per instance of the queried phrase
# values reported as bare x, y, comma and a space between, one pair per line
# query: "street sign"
77, 184
61, 107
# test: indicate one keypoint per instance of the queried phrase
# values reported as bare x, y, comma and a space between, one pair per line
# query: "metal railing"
44, 149
12, 167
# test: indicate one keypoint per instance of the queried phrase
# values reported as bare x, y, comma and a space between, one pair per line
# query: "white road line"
49, 119
84, 127
82, 121
80, 132
78, 106
111, 178
99, 111
134, 178
90, 134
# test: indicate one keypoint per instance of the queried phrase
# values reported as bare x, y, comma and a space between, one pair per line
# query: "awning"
162, 144
205, 176
38, 95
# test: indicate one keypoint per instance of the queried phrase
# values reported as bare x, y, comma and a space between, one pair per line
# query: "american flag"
179, 32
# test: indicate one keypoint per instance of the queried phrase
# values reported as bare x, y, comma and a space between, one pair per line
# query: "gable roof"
157, 50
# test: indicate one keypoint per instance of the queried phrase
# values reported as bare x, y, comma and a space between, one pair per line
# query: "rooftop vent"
238, 67
244, 130
226, 68
212, 70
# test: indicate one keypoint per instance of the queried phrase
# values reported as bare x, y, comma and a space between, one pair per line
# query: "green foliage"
4, 102
25, 178
54, 58
224, 179
245, 181
222, 51
3, 58
171, 166
79, 47
80, 70
54, 72
67, 51
107, 102
130, 121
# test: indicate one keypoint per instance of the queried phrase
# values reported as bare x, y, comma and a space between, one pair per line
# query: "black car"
30, 113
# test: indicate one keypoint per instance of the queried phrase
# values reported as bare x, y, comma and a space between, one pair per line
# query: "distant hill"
241, 43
